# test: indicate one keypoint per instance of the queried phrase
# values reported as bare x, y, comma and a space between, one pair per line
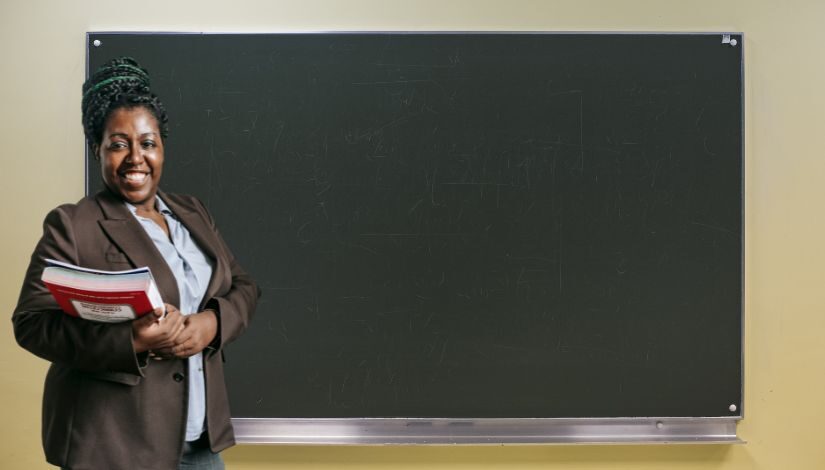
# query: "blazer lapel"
126, 232
204, 236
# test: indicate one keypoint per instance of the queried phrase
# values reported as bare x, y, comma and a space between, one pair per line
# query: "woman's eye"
117, 145
148, 144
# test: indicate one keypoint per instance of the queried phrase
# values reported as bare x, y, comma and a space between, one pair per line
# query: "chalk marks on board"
469, 224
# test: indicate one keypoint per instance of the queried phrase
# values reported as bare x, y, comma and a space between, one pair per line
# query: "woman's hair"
120, 83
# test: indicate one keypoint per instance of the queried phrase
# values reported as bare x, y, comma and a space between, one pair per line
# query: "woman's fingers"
172, 334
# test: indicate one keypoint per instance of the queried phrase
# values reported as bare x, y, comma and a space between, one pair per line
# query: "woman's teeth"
135, 177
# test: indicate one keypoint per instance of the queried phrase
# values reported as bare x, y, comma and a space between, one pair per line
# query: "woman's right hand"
156, 330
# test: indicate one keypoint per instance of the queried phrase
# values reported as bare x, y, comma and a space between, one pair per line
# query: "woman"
150, 393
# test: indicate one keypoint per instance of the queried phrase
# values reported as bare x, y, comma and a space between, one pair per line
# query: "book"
104, 296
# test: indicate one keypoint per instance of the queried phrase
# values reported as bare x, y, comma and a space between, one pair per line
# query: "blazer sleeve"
41, 327
236, 306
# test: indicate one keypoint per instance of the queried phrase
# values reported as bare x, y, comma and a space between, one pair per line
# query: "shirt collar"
159, 205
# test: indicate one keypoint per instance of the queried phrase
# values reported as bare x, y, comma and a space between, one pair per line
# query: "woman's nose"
135, 155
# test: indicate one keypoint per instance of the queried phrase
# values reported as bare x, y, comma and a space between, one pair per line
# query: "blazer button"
178, 377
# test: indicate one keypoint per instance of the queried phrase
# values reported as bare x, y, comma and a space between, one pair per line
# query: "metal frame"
487, 431
406, 431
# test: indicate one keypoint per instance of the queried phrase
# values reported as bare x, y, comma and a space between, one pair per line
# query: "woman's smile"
131, 155
134, 178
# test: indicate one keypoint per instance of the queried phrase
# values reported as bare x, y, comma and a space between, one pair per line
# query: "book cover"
105, 296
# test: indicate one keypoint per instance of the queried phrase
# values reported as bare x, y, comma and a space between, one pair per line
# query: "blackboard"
467, 225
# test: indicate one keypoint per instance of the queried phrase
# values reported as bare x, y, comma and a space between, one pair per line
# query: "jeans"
198, 456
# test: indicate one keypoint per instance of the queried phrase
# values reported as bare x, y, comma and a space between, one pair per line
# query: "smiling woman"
131, 158
150, 393
125, 125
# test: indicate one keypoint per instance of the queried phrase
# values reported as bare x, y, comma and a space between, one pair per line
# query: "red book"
106, 296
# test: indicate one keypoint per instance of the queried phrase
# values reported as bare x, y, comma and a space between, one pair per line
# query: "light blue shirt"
192, 270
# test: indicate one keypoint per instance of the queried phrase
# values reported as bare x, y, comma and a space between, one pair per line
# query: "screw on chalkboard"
96, 43
732, 408
727, 40
660, 425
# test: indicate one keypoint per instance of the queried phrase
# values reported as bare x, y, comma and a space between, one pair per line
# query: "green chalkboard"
467, 224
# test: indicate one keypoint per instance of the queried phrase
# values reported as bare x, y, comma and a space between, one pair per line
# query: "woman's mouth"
134, 178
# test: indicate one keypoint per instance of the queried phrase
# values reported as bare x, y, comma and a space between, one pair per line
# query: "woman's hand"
156, 330
199, 330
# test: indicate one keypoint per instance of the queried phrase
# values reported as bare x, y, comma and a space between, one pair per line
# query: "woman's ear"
95, 149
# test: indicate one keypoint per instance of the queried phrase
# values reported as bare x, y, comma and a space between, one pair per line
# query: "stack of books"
105, 296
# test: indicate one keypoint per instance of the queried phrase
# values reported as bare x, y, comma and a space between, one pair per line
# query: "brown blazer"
104, 406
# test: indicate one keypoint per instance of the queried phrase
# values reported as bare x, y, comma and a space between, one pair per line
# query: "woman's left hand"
199, 330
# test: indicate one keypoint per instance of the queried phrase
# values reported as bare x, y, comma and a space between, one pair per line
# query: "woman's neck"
147, 207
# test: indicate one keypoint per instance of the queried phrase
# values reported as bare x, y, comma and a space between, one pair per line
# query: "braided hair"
120, 83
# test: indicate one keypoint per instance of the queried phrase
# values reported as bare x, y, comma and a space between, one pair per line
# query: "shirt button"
178, 377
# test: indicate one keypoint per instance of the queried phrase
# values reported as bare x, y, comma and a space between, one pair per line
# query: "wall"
42, 45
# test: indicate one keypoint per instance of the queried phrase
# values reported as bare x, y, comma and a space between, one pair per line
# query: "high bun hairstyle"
120, 83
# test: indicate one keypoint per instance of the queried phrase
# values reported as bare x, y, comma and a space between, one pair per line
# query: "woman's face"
131, 155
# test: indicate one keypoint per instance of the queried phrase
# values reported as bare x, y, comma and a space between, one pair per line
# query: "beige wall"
41, 146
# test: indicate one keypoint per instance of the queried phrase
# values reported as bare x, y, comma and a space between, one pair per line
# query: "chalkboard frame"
376, 431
